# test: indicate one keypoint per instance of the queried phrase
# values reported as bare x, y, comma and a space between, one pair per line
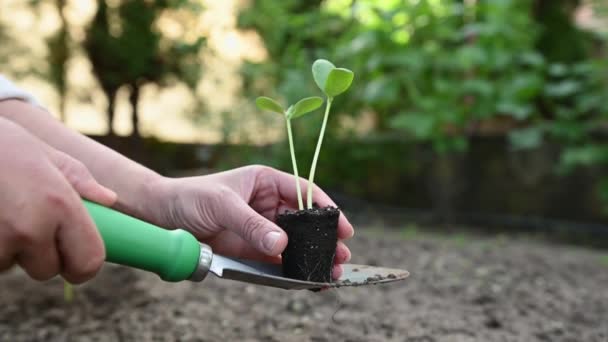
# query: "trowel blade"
271, 275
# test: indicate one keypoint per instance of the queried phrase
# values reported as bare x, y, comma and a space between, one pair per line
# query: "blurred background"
489, 114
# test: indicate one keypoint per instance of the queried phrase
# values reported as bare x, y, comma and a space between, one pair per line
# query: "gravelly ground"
465, 289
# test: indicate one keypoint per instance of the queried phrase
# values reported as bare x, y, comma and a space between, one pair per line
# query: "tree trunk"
62, 105
134, 99
62, 56
111, 104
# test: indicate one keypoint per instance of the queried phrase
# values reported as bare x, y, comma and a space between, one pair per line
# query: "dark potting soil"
310, 251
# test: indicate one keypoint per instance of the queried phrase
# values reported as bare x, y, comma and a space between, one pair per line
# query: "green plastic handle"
172, 254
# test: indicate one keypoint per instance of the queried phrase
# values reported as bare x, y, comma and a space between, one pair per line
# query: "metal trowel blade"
271, 275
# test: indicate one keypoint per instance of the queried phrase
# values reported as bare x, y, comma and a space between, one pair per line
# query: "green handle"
172, 254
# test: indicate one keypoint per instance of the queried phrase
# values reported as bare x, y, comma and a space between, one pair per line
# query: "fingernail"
270, 239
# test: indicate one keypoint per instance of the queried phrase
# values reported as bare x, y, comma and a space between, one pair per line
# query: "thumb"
77, 174
252, 227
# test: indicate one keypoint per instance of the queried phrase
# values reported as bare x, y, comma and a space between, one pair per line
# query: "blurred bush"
126, 46
440, 72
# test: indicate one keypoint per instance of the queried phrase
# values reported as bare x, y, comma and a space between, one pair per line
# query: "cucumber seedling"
301, 107
312, 232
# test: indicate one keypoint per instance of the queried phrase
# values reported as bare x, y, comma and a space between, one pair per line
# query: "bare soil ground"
461, 289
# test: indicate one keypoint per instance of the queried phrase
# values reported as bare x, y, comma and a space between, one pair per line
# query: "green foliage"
438, 71
430, 70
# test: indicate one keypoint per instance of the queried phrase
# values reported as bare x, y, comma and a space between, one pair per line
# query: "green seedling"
333, 82
410, 231
68, 292
302, 107
604, 260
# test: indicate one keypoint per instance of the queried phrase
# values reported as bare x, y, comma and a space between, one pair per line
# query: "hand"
234, 211
44, 226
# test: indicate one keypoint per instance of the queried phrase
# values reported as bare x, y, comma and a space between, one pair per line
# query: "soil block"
313, 236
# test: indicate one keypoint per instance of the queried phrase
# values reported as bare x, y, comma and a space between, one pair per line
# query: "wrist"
145, 199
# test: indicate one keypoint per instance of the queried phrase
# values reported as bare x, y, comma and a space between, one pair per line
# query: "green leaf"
563, 89
526, 138
421, 125
331, 80
516, 110
320, 71
266, 103
338, 81
590, 154
304, 106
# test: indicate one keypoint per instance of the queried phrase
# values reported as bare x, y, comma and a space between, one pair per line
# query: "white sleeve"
9, 91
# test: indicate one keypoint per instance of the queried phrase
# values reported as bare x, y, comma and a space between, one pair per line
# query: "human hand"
234, 211
44, 226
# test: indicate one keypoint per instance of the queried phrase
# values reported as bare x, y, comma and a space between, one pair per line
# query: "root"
339, 304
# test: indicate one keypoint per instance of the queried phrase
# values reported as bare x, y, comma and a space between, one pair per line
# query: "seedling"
333, 82
68, 292
302, 107
310, 253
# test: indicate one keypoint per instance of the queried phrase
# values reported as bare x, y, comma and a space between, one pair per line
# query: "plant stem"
68, 292
313, 167
295, 165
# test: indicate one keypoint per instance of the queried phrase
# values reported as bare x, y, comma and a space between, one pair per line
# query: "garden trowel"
176, 255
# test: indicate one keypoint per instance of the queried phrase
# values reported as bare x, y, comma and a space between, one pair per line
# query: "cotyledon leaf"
320, 71
304, 106
338, 81
266, 103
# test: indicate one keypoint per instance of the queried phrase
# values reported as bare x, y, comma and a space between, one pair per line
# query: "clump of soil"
313, 236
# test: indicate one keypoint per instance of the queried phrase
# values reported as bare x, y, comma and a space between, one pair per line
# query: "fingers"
342, 256
34, 238
342, 253
40, 262
81, 249
58, 238
79, 244
230, 244
81, 179
345, 229
237, 216
8, 246
337, 272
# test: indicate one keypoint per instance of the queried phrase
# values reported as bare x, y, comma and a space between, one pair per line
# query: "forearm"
130, 180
